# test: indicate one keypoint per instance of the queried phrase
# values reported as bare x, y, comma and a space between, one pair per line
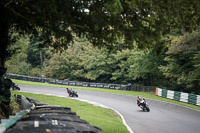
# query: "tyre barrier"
50, 119
179, 96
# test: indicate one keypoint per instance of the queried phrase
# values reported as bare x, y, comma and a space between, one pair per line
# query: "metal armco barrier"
71, 83
179, 96
127, 87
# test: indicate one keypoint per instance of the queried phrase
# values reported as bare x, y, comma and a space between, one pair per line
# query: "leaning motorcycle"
144, 106
15, 86
72, 93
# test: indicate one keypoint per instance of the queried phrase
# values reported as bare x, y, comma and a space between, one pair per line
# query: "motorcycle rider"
139, 99
69, 91
141, 102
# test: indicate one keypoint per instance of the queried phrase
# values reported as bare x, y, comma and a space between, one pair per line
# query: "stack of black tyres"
52, 119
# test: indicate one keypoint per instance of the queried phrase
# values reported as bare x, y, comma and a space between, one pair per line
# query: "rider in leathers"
139, 99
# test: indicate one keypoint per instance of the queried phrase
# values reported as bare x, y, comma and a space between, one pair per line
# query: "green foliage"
28, 59
114, 7
64, 65
178, 69
144, 65
17, 63
55, 67
121, 66
182, 59
84, 62
37, 55
15, 107
115, 24
103, 22
36, 72
78, 62
1, 98
94, 62
24, 68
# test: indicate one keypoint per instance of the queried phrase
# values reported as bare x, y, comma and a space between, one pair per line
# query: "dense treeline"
176, 66
137, 40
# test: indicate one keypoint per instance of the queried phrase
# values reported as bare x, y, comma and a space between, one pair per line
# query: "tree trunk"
4, 26
4, 54
5, 94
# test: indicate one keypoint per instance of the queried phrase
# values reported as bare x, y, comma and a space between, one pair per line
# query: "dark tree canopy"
103, 22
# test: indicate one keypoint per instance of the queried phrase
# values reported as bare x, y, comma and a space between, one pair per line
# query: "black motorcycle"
15, 86
72, 93
144, 106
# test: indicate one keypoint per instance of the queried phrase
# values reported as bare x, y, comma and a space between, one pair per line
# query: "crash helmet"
138, 97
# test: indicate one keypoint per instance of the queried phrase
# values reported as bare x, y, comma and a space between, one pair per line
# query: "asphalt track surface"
163, 117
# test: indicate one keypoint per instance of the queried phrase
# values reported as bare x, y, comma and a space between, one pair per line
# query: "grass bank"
108, 120
131, 93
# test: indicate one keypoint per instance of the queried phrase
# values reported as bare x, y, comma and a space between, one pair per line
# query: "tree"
66, 64
95, 63
120, 66
36, 55
59, 66
81, 61
136, 66
103, 22
182, 62
144, 67
17, 63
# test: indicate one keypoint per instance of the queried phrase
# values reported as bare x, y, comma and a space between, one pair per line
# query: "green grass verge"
131, 93
106, 119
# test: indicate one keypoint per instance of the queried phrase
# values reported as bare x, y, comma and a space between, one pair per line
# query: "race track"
163, 117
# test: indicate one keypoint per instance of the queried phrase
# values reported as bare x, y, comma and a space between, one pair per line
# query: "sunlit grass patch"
107, 119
